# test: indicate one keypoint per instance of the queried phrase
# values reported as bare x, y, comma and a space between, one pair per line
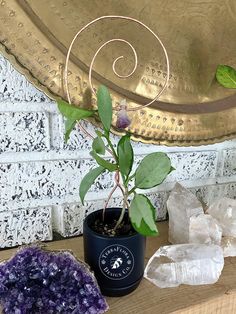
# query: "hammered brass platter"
198, 35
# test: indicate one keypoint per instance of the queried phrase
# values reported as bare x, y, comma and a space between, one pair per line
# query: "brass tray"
193, 110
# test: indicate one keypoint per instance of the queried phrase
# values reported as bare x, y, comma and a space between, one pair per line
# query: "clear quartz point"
191, 264
224, 211
181, 206
204, 229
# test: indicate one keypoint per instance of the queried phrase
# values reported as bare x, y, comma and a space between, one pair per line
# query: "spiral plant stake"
117, 59
123, 156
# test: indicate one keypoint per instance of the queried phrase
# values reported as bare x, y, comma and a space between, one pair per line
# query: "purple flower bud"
123, 121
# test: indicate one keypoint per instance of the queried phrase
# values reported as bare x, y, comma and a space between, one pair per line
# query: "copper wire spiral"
117, 59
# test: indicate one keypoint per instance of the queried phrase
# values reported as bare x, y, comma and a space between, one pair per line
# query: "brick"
158, 200
25, 226
69, 219
37, 183
24, 132
193, 165
78, 140
229, 162
228, 189
15, 87
209, 193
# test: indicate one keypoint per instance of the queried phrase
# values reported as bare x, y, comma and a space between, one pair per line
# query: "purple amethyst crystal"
35, 281
123, 121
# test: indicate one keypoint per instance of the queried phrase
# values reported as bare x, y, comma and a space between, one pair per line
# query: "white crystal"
181, 205
191, 264
224, 210
204, 229
228, 245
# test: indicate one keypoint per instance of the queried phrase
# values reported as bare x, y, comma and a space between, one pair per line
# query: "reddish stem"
92, 137
117, 181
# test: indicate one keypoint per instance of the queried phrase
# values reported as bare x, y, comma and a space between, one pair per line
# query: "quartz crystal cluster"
200, 241
224, 211
191, 264
189, 224
38, 281
181, 205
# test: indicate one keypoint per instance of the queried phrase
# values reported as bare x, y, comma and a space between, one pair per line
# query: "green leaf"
102, 162
104, 107
99, 146
125, 155
88, 180
69, 125
142, 215
226, 76
73, 112
152, 170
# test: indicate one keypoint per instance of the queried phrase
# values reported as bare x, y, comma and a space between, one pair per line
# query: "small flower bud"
123, 121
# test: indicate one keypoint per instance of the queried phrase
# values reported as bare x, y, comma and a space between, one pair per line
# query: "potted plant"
114, 238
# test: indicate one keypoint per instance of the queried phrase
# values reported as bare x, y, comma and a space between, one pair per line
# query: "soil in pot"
107, 226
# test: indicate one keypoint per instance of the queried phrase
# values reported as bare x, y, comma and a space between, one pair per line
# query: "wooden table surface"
148, 299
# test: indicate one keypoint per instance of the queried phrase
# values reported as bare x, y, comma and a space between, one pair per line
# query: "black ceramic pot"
118, 262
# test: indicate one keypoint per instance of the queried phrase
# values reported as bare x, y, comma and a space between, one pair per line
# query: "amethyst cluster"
35, 281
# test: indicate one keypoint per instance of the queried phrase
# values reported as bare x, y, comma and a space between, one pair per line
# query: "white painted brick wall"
40, 174
23, 226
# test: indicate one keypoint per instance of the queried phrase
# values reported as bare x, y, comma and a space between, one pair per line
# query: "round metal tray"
193, 110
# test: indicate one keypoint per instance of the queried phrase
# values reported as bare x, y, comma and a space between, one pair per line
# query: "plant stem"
112, 148
117, 181
107, 201
125, 182
119, 221
110, 151
132, 190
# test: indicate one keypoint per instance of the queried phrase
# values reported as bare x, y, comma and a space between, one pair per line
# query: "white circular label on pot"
116, 262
